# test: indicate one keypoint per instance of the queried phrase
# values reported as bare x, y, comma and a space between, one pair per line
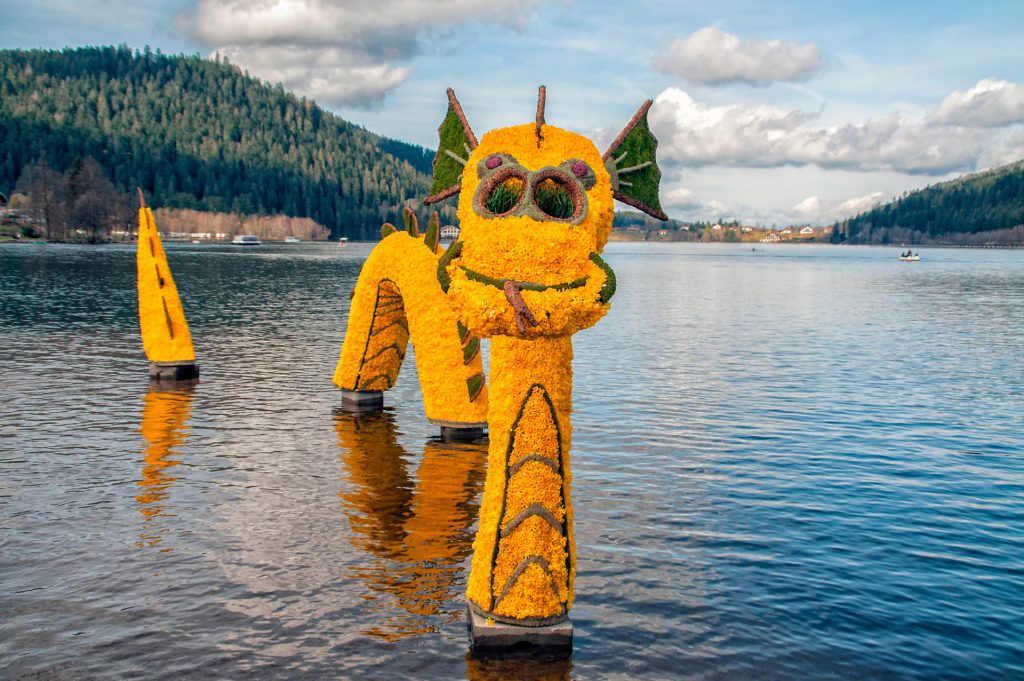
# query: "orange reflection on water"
521, 669
417, 529
164, 413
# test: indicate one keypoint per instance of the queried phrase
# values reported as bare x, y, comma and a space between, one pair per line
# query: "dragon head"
535, 210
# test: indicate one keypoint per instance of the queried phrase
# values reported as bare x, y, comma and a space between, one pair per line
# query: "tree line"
975, 210
199, 134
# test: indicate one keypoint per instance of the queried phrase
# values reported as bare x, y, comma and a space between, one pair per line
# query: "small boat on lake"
246, 240
292, 240
343, 241
909, 257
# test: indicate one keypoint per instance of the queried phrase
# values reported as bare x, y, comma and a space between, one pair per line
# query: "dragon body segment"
398, 298
165, 334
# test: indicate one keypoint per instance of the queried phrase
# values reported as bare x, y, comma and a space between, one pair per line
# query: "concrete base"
459, 431
497, 638
173, 371
462, 434
362, 401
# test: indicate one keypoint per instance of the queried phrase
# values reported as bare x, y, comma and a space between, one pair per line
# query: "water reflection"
522, 670
164, 413
418, 530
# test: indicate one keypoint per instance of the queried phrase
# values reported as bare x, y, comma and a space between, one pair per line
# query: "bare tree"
46, 189
91, 199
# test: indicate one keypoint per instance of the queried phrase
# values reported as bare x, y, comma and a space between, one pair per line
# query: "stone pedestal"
362, 401
497, 638
460, 431
173, 371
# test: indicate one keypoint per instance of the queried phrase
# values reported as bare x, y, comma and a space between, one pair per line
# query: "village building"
450, 232
807, 230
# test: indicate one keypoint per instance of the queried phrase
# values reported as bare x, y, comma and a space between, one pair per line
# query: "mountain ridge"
979, 209
202, 134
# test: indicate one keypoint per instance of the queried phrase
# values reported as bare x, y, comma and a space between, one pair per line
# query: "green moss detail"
442, 265
525, 286
608, 290
475, 384
469, 352
433, 231
387, 229
640, 146
453, 138
412, 225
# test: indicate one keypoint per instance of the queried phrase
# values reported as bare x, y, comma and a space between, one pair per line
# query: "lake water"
794, 462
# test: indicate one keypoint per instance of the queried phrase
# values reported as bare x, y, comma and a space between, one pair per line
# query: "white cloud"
991, 103
714, 57
681, 198
811, 209
343, 52
326, 75
809, 206
682, 201
747, 135
717, 207
858, 204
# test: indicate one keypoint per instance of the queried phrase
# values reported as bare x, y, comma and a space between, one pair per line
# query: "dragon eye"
504, 194
555, 198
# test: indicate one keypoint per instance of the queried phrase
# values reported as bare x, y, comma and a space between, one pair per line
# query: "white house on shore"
449, 232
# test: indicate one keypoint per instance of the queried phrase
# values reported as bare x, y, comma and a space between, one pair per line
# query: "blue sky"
766, 112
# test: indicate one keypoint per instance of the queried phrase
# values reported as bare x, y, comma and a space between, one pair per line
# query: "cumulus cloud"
342, 52
813, 210
747, 135
858, 204
327, 75
713, 57
989, 104
809, 206
680, 200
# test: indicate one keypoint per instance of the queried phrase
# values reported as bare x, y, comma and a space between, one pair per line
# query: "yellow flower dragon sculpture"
535, 211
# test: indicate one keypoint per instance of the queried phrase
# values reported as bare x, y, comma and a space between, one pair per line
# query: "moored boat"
246, 240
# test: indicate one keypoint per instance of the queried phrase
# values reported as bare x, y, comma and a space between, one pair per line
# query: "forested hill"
975, 210
199, 133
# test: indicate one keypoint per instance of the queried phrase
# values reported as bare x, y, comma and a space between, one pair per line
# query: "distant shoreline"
615, 238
